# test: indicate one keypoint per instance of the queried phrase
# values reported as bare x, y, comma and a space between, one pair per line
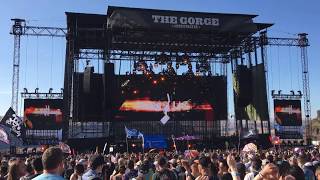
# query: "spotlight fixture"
272, 92
25, 90
292, 92
279, 92
185, 59
190, 72
142, 65
170, 70
162, 59
36, 90
299, 92
50, 90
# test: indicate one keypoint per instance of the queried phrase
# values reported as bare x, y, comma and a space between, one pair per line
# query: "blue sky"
42, 59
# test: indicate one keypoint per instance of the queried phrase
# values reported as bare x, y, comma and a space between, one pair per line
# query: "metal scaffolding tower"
17, 32
303, 44
19, 28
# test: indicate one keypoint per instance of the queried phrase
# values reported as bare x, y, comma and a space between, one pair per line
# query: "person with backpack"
164, 173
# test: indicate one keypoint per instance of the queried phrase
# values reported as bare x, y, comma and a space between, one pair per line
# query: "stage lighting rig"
162, 59
189, 72
185, 59
140, 65
170, 70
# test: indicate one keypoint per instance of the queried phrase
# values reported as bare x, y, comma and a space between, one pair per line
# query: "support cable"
51, 61
299, 68
37, 62
278, 59
290, 67
26, 63
270, 67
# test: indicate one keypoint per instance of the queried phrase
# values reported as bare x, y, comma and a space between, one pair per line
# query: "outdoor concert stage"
164, 73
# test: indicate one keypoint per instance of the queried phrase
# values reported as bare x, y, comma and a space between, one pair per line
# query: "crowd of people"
285, 164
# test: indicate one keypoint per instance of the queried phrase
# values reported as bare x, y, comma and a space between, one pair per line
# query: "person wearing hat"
95, 168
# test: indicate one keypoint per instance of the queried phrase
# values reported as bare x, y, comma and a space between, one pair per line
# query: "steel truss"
41, 95
73, 55
19, 29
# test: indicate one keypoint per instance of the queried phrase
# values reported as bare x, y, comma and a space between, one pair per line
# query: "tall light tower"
17, 30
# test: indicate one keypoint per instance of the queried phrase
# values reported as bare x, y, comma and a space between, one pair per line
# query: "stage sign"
134, 18
43, 114
288, 119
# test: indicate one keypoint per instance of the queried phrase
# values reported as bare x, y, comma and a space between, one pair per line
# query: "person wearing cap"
52, 161
95, 168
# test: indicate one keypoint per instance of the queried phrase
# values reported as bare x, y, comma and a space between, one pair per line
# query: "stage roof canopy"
135, 29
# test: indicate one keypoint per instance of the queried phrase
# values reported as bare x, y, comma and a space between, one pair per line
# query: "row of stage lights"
202, 67
292, 93
36, 91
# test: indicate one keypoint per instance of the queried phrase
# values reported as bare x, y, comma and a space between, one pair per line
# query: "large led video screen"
167, 98
43, 114
288, 112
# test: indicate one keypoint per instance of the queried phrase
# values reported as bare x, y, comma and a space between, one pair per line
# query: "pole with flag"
174, 143
127, 144
142, 137
133, 133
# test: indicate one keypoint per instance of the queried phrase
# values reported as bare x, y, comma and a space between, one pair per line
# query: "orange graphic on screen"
287, 115
146, 105
46, 111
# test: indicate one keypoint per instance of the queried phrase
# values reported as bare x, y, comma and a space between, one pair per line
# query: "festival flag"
133, 133
4, 136
14, 122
